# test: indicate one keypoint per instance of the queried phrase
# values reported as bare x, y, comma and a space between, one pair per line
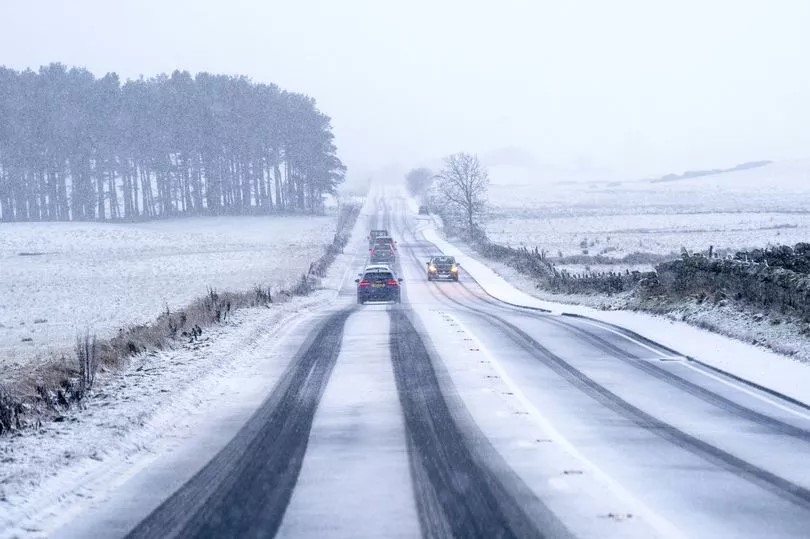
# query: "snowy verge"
769, 369
142, 412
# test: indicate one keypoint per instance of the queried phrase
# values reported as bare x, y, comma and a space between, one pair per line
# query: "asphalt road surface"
455, 415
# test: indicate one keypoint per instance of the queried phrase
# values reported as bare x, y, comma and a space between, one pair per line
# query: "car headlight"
432, 268
454, 269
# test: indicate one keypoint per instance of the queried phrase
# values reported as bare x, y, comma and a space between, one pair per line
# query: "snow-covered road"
456, 414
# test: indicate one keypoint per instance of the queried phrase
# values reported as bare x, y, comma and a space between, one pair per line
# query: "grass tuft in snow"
87, 358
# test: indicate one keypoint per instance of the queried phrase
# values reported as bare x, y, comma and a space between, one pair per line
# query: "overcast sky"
639, 87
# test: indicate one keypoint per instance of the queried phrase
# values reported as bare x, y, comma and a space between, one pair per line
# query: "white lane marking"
623, 335
659, 523
747, 391
734, 385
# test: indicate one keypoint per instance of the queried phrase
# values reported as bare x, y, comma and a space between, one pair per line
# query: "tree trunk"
115, 210
277, 180
101, 214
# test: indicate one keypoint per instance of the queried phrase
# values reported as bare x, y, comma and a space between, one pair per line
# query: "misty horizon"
630, 89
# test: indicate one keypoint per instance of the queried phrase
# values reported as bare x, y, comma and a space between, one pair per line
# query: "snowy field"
744, 209
58, 279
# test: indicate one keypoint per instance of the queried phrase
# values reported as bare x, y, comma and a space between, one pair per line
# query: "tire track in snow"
696, 390
569, 324
245, 489
770, 481
456, 493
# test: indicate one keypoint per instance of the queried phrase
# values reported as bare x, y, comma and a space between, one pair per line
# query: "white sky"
639, 87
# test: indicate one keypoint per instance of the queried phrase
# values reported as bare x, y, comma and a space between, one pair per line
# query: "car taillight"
371, 251
392, 283
364, 283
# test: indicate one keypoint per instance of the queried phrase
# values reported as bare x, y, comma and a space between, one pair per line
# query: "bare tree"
462, 184
418, 181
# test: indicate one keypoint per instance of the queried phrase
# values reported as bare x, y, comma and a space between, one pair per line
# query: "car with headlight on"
442, 267
378, 285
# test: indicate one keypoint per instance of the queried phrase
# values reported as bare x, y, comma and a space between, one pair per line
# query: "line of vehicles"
378, 280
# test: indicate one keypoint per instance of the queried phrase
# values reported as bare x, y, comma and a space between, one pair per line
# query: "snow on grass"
737, 210
619, 235
58, 279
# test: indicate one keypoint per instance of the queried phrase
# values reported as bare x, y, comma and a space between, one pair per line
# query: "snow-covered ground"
737, 210
618, 235
59, 279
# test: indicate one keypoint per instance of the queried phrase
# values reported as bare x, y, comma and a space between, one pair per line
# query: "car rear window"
378, 276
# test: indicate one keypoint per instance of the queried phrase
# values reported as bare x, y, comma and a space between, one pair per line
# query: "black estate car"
378, 285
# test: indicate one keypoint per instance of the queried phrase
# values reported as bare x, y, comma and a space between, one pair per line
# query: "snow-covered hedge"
750, 279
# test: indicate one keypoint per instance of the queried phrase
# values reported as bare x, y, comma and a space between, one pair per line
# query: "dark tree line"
77, 147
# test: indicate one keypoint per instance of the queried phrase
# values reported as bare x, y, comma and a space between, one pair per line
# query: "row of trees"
458, 191
77, 147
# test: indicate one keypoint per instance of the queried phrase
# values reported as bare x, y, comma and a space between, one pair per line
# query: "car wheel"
455, 278
359, 301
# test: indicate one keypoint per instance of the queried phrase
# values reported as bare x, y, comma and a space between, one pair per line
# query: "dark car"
382, 251
374, 234
378, 286
381, 241
423, 210
442, 267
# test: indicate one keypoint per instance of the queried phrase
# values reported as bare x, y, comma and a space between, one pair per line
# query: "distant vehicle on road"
378, 285
383, 241
382, 251
442, 267
374, 234
423, 210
